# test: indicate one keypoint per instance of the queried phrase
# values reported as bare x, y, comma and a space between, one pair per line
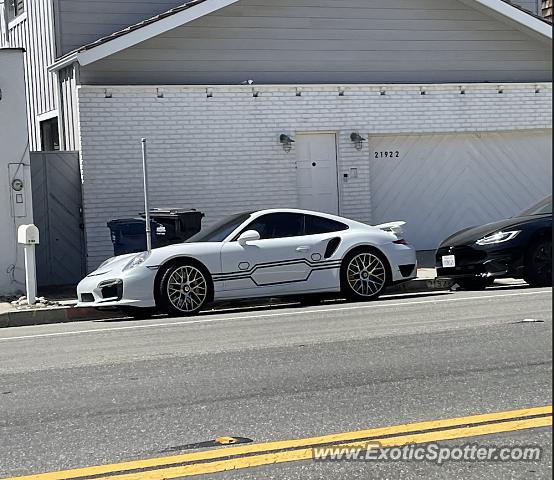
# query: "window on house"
49, 135
15, 8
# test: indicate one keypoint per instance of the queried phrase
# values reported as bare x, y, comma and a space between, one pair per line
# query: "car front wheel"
364, 275
538, 264
184, 289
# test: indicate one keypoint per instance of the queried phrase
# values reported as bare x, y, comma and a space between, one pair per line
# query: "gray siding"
36, 35
351, 41
83, 21
68, 108
3, 28
531, 5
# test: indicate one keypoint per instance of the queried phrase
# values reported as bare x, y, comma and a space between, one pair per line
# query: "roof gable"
507, 11
142, 31
503, 10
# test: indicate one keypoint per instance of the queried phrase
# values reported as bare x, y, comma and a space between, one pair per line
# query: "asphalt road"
85, 394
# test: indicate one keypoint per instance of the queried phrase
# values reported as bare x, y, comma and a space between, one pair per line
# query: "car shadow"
276, 305
254, 307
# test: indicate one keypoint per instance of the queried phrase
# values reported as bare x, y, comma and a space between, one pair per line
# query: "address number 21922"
387, 154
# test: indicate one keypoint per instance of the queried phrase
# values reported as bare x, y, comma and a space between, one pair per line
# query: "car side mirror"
248, 236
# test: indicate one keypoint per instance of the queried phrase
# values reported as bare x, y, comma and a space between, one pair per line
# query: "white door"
280, 262
442, 183
317, 172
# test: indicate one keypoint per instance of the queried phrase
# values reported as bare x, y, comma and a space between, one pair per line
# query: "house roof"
519, 7
193, 9
136, 26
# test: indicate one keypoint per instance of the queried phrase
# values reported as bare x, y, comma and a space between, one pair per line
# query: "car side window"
316, 225
278, 225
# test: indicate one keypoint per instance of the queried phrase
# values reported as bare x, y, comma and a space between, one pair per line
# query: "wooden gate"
57, 209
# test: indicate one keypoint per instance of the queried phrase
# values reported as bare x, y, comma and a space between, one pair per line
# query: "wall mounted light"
383, 91
341, 91
500, 89
108, 93
423, 91
357, 140
160, 93
209, 93
537, 90
462, 90
299, 91
286, 142
255, 93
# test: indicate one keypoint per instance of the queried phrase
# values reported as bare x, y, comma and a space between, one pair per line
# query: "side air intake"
332, 247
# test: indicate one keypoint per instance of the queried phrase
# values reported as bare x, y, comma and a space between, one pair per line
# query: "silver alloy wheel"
187, 289
366, 274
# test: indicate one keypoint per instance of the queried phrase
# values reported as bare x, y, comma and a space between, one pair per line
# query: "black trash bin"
129, 235
180, 224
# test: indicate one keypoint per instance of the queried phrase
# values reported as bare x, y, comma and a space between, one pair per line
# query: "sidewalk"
63, 311
11, 316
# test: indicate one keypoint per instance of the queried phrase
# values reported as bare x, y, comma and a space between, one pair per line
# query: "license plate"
449, 261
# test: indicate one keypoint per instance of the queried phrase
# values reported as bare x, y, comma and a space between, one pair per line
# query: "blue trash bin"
129, 235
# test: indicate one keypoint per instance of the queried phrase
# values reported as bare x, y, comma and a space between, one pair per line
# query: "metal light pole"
146, 206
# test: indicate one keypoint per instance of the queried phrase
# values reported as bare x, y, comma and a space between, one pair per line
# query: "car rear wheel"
538, 264
184, 289
475, 283
364, 275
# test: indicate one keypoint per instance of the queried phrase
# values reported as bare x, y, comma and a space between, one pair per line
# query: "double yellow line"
254, 455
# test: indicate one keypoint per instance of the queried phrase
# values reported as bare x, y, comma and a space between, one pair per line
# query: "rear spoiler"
396, 228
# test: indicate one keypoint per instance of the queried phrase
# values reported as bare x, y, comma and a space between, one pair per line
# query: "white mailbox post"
28, 236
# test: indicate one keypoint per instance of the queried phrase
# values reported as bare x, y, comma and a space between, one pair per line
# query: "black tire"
538, 264
138, 313
179, 296
364, 275
475, 283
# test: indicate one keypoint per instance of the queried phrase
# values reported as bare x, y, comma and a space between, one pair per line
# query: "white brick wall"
221, 154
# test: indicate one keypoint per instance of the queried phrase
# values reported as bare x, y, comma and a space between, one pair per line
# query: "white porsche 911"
268, 253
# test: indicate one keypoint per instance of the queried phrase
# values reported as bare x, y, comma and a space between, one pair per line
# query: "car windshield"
220, 230
544, 207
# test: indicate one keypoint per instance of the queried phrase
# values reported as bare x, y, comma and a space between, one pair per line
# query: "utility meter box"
28, 235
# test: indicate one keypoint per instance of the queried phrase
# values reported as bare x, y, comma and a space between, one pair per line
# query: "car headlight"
136, 261
498, 237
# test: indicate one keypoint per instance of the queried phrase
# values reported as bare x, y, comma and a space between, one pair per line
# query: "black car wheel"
184, 290
475, 283
538, 264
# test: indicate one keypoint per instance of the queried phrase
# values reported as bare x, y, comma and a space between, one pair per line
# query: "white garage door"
443, 183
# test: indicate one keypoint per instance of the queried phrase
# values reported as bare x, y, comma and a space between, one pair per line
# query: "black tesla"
519, 247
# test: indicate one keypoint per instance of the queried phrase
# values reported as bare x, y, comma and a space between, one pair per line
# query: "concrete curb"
25, 318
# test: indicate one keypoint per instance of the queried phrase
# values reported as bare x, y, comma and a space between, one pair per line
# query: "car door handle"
303, 248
